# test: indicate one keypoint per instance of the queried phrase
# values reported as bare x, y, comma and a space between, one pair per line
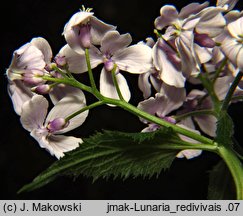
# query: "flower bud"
41, 89
204, 40
60, 61
57, 124
33, 78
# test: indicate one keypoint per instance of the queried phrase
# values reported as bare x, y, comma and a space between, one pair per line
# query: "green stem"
194, 113
208, 85
235, 167
57, 69
134, 110
91, 106
219, 70
116, 83
69, 81
231, 91
91, 77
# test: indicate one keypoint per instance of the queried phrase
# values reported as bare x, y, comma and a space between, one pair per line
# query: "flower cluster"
199, 46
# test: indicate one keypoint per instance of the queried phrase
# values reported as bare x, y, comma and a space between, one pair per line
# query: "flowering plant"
199, 46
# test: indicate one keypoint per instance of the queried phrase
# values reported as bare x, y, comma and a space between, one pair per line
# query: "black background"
21, 159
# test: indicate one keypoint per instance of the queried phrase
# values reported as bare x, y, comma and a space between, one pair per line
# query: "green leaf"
225, 129
220, 183
116, 154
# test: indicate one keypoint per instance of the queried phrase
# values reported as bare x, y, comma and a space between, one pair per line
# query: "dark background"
21, 158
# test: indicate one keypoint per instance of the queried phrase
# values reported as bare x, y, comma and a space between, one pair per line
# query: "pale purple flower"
29, 62
192, 32
84, 29
232, 43
161, 106
114, 50
47, 129
168, 100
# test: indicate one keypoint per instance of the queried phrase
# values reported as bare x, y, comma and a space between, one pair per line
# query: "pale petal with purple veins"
71, 30
231, 49
168, 15
108, 89
192, 8
44, 47
113, 42
77, 62
236, 28
165, 60
135, 59
34, 112
185, 46
99, 29
212, 21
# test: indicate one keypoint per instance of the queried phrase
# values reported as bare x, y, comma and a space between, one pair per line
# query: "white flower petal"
176, 96
34, 112
59, 144
71, 33
192, 8
67, 106
113, 42
188, 153
99, 29
184, 44
207, 124
161, 105
168, 15
204, 54
222, 85
60, 91
108, 89
236, 28
44, 47
77, 62
28, 59
164, 62
19, 94
212, 22
144, 84
240, 59
229, 4
135, 59
231, 48
56, 145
